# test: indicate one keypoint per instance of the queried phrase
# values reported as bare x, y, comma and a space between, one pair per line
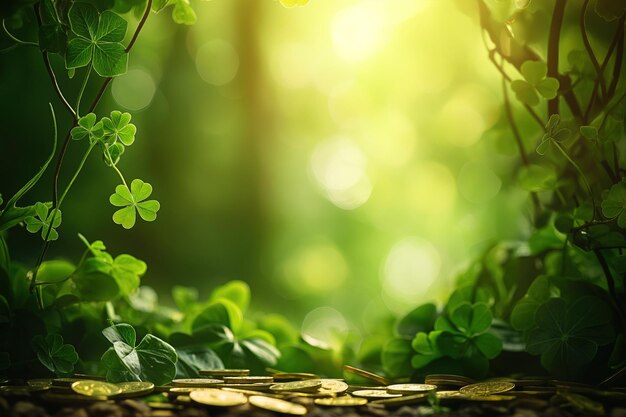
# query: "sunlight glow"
317, 269
324, 324
134, 90
339, 167
412, 266
217, 51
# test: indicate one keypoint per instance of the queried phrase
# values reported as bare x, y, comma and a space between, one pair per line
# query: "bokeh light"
135, 90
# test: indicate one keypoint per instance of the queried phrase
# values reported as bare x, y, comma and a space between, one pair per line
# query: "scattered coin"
95, 388
365, 374
247, 379
483, 389
255, 386
405, 389
248, 391
447, 395
341, 401
352, 388
64, 382
403, 400
196, 382
374, 394
310, 385
276, 405
225, 372
447, 379
491, 398
293, 376
218, 398
40, 382
135, 388
333, 386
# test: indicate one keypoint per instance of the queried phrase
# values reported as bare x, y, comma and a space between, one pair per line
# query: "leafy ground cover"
551, 305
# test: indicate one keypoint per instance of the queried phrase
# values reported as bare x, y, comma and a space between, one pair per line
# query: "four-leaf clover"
87, 127
133, 201
553, 134
98, 40
119, 128
55, 355
534, 83
41, 221
614, 204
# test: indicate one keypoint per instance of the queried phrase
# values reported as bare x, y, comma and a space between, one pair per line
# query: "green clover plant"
553, 134
44, 221
58, 357
97, 40
133, 201
88, 128
614, 204
535, 83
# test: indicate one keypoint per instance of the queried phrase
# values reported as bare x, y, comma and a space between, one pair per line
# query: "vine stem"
82, 90
589, 49
15, 39
553, 50
610, 282
581, 173
63, 151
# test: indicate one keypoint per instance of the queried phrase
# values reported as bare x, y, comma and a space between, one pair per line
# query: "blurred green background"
346, 158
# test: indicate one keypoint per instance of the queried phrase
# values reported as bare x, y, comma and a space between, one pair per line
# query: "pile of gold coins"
294, 393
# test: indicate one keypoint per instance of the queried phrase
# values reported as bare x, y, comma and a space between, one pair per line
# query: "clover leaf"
553, 134
523, 314
615, 202
119, 128
42, 220
193, 356
58, 357
567, 337
132, 201
152, 360
535, 83
52, 32
610, 9
87, 127
98, 40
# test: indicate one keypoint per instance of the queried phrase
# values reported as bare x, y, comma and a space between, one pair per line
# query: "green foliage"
88, 128
615, 202
567, 337
151, 360
44, 221
132, 202
535, 83
118, 128
97, 40
52, 32
554, 134
58, 357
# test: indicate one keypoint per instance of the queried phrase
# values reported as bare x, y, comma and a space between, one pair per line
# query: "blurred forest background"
346, 159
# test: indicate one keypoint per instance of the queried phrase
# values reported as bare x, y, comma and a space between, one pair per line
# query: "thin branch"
53, 78
139, 26
518, 140
619, 58
610, 282
553, 50
15, 39
589, 49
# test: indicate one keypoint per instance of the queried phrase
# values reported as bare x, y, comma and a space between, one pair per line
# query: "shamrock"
98, 40
553, 134
41, 221
615, 202
590, 133
87, 127
535, 81
567, 337
133, 200
58, 357
118, 127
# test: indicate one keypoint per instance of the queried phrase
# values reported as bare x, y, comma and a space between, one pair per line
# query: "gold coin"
95, 388
225, 372
247, 379
374, 394
403, 400
255, 386
276, 405
135, 388
365, 374
445, 395
218, 398
40, 382
341, 402
196, 382
249, 391
64, 382
293, 376
352, 388
332, 386
310, 385
493, 397
482, 389
410, 388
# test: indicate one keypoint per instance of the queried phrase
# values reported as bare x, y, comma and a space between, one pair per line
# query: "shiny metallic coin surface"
410, 388
277, 406
247, 379
218, 398
341, 402
366, 374
374, 394
225, 372
483, 389
333, 386
95, 388
310, 385
196, 382
135, 388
